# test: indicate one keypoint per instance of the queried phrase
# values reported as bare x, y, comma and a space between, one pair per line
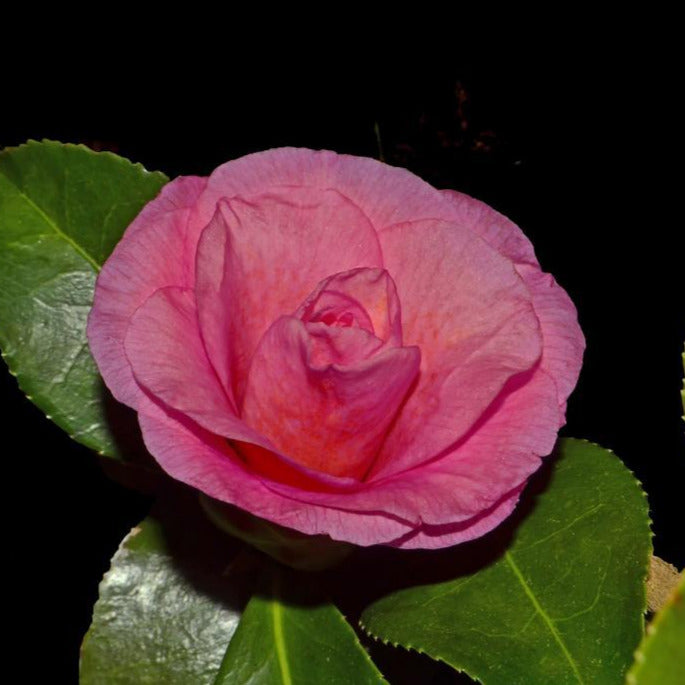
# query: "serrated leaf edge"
412, 648
32, 142
6, 356
461, 669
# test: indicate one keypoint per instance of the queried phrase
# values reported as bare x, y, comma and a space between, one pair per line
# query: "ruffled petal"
448, 534
564, 343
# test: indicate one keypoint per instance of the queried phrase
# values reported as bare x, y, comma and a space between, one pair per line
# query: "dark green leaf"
562, 603
286, 639
62, 210
660, 660
163, 616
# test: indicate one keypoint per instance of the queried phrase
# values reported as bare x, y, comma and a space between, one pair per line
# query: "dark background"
578, 151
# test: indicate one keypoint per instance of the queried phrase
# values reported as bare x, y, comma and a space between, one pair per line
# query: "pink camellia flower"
335, 346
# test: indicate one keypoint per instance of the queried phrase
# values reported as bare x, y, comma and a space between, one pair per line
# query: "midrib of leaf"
543, 614
279, 639
55, 227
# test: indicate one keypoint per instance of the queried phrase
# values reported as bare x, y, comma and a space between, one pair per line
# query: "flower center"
330, 318
326, 383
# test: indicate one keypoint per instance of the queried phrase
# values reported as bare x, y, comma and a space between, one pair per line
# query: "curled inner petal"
260, 256
323, 388
364, 297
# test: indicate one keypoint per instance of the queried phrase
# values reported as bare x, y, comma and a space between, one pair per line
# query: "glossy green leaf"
660, 659
563, 600
286, 638
164, 615
62, 210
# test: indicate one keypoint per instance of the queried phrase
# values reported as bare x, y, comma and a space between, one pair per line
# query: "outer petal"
385, 194
564, 343
431, 507
204, 461
497, 231
471, 315
157, 250
332, 418
563, 339
260, 257
165, 350
435, 537
494, 459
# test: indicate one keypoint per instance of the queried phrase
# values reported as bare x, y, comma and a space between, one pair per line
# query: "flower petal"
492, 461
206, 462
157, 250
366, 294
259, 258
494, 228
448, 534
386, 195
164, 348
564, 344
329, 418
466, 308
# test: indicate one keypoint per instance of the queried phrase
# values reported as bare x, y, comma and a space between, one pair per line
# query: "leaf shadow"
214, 563
135, 468
123, 424
379, 571
214, 560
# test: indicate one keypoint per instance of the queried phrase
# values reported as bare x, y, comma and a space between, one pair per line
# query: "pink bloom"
335, 346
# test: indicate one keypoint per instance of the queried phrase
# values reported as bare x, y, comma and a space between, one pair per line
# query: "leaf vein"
543, 614
49, 221
594, 602
279, 639
563, 529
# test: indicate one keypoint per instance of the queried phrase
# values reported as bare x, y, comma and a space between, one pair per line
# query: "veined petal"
494, 228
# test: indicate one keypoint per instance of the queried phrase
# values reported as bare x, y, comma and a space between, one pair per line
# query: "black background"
578, 150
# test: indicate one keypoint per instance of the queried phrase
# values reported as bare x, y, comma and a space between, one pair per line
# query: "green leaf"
171, 602
659, 659
62, 210
164, 615
286, 638
563, 600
